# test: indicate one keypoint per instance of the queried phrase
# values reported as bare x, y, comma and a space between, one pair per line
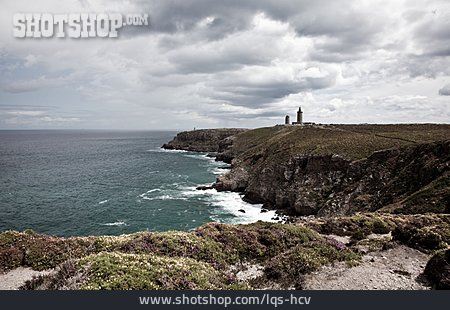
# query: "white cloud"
25, 113
233, 63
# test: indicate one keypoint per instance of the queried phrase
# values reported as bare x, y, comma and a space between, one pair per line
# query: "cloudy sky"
230, 63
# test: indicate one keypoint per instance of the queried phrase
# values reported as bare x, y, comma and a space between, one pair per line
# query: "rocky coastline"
216, 142
333, 172
360, 169
369, 209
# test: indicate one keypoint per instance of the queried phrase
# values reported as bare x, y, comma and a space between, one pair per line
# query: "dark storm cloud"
250, 94
343, 21
196, 61
431, 37
251, 115
183, 16
432, 32
342, 31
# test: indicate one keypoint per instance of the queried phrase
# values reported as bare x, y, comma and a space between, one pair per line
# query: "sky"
230, 63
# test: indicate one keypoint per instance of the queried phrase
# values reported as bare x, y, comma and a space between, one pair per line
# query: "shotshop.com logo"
74, 25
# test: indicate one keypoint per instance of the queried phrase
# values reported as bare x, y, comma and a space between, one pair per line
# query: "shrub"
39, 251
179, 244
118, 271
423, 239
437, 270
291, 265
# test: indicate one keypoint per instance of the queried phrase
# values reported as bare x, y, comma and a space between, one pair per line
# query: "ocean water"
69, 183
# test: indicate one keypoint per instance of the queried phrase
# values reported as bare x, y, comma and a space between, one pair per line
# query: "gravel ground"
15, 278
394, 269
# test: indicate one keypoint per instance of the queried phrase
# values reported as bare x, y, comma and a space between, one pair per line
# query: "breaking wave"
118, 223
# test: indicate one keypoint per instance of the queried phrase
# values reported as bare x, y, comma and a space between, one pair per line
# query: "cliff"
204, 140
406, 179
337, 169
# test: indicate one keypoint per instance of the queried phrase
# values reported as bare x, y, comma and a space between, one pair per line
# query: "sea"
96, 182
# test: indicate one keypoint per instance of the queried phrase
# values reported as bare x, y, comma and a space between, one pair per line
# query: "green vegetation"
118, 271
206, 257
341, 169
438, 270
201, 259
425, 232
40, 252
290, 267
359, 226
424, 239
257, 241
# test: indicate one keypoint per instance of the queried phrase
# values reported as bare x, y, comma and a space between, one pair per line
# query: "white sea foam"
232, 203
161, 150
150, 191
118, 223
222, 206
153, 190
203, 156
229, 203
216, 170
164, 197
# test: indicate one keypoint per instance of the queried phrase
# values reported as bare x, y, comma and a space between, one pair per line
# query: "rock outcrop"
204, 140
410, 177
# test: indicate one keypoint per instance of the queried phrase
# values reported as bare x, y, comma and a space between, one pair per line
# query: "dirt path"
15, 278
394, 269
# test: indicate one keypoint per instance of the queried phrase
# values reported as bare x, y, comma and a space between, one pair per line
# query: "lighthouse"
299, 116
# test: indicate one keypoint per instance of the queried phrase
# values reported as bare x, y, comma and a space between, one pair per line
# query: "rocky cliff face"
205, 140
406, 178
334, 170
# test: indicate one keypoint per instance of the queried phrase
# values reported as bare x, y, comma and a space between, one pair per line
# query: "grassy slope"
350, 141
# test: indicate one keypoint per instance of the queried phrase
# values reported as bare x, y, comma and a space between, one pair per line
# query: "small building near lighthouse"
287, 120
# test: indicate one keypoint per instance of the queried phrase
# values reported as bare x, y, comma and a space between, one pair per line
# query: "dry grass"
350, 141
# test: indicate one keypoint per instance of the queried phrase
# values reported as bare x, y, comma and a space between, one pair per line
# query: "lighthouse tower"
299, 116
